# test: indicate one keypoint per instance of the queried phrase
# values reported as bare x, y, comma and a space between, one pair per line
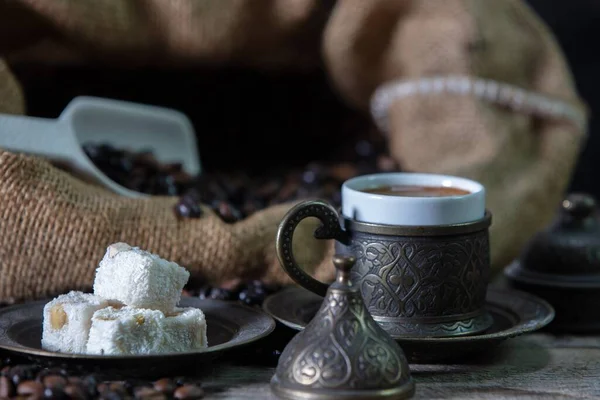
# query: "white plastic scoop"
124, 125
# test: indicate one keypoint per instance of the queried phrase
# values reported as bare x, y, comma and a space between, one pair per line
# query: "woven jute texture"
55, 227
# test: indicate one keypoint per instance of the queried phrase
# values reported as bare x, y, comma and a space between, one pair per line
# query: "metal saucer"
229, 326
514, 313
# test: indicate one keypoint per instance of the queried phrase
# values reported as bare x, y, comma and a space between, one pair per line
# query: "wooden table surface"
534, 366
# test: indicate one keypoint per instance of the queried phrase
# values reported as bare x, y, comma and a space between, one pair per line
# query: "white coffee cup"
412, 211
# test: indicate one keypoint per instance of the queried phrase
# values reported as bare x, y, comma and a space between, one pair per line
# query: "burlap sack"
55, 227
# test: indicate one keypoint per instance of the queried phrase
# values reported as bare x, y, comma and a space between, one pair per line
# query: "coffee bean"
52, 381
221, 294
116, 386
226, 211
164, 385
75, 392
31, 389
204, 292
6, 387
149, 393
253, 294
189, 392
185, 208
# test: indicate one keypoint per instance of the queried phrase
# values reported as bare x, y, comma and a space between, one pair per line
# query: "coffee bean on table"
31, 389
164, 385
221, 294
75, 392
149, 393
52, 381
204, 292
189, 392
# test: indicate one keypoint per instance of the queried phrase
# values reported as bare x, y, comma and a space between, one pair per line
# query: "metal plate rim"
495, 299
265, 326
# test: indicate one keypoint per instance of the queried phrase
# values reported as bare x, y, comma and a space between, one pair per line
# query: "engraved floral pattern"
343, 347
421, 277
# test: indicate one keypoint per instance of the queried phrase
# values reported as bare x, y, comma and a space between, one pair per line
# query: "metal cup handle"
330, 228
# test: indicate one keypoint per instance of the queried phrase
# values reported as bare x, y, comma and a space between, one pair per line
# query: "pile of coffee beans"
138, 171
34, 382
234, 195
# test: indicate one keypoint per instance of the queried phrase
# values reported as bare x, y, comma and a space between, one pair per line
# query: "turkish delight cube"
141, 331
139, 279
67, 320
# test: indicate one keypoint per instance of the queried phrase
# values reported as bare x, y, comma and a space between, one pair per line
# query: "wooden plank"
538, 366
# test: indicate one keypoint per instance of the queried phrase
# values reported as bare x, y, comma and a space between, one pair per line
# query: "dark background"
576, 25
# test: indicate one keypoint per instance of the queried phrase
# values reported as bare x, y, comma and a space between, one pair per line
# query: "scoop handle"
38, 136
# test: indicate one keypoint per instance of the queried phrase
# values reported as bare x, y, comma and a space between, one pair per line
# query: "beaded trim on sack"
499, 93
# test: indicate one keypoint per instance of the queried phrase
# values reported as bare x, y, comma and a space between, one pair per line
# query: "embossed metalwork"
343, 353
514, 313
569, 246
330, 229
562, 265
415, 281
431, 286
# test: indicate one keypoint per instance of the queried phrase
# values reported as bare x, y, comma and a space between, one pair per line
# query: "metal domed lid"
568, 251
343, 353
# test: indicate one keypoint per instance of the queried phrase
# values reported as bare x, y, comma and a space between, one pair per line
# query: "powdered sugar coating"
76, 310
141, 331
139, 278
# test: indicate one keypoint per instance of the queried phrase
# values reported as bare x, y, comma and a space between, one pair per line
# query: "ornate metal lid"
567, 252
343, 353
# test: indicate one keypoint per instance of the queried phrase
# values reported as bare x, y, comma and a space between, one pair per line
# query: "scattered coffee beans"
235, 195
37, 382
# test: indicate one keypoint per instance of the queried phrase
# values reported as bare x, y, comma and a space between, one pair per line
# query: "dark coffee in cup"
416, 191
